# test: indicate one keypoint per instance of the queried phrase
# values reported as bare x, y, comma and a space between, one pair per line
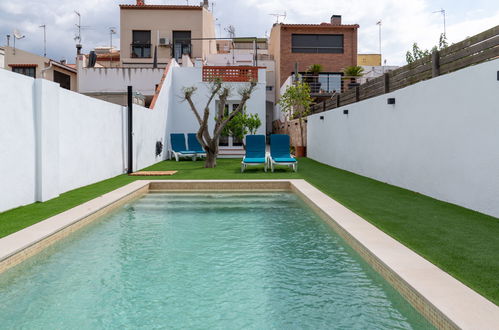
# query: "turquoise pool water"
203, 261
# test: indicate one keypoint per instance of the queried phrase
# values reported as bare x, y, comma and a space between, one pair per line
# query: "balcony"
323, 83
230, 73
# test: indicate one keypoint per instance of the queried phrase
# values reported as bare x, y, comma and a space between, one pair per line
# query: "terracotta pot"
300, 151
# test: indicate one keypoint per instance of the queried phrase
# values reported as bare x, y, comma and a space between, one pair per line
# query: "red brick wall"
330, 62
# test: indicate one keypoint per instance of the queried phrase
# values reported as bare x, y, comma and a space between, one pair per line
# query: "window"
317, 43
63, 79
268, 88
29, 71
141, 44
181, 44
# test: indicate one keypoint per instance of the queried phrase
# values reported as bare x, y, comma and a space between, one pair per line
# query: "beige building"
369, 59
167, 28
35, 66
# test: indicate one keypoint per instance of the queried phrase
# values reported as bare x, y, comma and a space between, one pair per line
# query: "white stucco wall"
109, 80
440, 139
183, 120
17, 140
92, 143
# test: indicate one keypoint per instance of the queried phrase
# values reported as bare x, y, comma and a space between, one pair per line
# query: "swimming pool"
203, 260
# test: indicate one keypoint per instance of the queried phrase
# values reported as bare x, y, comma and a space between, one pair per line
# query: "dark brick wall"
330, 62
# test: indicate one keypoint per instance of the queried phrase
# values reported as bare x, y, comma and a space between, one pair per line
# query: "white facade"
436, 140
116, 80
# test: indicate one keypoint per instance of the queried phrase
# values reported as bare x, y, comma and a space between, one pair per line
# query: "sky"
403, 21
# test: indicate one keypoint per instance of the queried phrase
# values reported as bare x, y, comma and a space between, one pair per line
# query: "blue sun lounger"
194, 145
279, 152
178, 148
255, 152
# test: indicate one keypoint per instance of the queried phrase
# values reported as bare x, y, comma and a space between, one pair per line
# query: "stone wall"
292, 128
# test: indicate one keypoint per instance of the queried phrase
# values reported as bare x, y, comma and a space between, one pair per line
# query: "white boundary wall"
53, 140
441, 138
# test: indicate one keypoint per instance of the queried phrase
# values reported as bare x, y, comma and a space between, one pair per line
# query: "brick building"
332, 45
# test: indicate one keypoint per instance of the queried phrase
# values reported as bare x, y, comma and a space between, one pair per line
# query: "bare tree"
207, 140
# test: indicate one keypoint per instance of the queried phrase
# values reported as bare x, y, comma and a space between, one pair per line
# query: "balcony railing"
230, 73
323, 83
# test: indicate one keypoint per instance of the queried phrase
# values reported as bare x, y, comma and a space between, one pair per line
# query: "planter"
300, 151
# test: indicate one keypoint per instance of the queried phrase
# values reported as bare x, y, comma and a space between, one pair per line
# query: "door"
229, 141
181, 44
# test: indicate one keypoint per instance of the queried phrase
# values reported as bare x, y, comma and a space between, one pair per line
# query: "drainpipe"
47, 68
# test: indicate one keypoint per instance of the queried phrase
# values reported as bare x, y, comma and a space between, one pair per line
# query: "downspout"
47, 68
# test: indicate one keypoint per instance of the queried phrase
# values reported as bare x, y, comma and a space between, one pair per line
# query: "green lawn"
462, 242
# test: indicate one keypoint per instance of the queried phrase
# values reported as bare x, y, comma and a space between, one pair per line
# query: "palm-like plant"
353, 71
315, 69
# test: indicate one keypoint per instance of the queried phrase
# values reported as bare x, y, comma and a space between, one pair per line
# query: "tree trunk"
301, 132
211, 159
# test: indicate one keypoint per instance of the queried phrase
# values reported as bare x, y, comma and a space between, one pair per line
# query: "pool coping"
442, 299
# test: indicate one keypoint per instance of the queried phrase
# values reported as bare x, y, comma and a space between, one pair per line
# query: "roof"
321, 25
164, 7
23, 65
108, 57
63, 66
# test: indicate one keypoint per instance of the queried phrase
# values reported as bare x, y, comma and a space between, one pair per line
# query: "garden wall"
53, 140
440, 138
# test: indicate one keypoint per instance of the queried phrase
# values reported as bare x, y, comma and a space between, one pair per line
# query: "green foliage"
296, 100
315, 68
353, 71
242, 124
418, 53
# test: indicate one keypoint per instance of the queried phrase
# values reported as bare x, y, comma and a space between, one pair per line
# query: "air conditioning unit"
164, 41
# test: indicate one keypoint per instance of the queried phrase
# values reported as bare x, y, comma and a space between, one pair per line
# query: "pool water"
203, 261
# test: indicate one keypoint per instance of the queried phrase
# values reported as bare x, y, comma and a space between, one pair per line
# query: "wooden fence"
480, 48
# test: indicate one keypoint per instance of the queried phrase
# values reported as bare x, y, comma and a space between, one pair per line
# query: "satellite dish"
18, 34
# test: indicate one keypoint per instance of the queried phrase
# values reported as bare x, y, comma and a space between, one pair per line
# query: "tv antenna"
44, 39
231, 30
279, 15
17, 35
112, 30
442, 11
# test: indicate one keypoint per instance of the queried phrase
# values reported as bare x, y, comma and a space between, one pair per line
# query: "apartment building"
333, 45
164, 32
35, 66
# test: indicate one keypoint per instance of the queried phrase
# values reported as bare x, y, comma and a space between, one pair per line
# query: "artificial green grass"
462, 242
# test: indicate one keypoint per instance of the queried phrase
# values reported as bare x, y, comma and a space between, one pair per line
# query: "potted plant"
353, 72
314, 83
295, 102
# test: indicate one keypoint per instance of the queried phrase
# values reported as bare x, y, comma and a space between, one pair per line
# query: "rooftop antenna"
44, 39
231, 30
442, 11
279, 15
219, 27
77, 38
380, 56
112, 30
17, 35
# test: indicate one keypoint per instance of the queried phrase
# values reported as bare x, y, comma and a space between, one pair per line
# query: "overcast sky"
404, 21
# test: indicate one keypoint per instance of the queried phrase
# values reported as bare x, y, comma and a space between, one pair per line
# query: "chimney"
141, 3
62, 61
336, 20
205, 4
78, 49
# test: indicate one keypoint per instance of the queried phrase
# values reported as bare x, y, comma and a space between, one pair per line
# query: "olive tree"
209, 141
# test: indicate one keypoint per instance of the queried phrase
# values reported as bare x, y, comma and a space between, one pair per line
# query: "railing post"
386, 80
324, 105
337, 100
357, 93
130, 130
435, 64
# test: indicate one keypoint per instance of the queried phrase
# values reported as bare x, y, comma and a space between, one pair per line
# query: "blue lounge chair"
279, 152
194, 145
255, 152
178, 148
